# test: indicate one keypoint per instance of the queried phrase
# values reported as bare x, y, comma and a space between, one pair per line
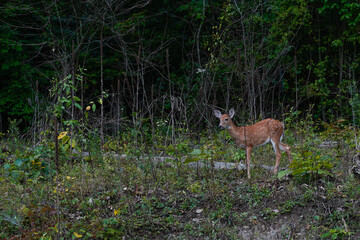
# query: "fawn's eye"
226, 119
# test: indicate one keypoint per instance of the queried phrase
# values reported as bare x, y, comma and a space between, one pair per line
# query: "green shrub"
308, 166
29, 165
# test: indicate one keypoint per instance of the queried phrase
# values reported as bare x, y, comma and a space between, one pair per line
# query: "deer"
258, 134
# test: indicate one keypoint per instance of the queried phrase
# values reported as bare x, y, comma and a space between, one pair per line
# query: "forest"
108, 131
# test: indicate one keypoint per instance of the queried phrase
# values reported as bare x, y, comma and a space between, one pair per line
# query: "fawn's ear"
231, 112
217, 113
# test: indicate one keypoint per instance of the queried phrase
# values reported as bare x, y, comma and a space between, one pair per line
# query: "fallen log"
172, 161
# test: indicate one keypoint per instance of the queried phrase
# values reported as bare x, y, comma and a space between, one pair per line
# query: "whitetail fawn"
265, 131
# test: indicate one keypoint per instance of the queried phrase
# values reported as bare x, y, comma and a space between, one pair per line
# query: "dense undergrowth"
120, 192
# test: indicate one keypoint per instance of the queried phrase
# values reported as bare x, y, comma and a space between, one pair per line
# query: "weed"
30, 165
336, 233
289, 205
309, 167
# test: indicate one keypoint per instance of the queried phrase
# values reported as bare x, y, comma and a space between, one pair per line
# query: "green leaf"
191, 159
298, 171
36, 174
15, 174
78, 106
284, 173
324, 172
72, 143
89, 234
7, 166
65, 139
18, 162
195, 152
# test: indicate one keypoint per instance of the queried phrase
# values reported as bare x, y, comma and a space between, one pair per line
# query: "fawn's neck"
236, 132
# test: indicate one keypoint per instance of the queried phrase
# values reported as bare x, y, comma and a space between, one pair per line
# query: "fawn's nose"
221, 127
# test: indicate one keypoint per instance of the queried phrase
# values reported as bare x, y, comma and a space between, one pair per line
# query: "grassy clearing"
105, 196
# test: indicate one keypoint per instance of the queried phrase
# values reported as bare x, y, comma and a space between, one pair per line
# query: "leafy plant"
207, 152
308, 166
29, 165
289, 205
336, 233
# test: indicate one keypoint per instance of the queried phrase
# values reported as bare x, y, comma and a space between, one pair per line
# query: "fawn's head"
225, 119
